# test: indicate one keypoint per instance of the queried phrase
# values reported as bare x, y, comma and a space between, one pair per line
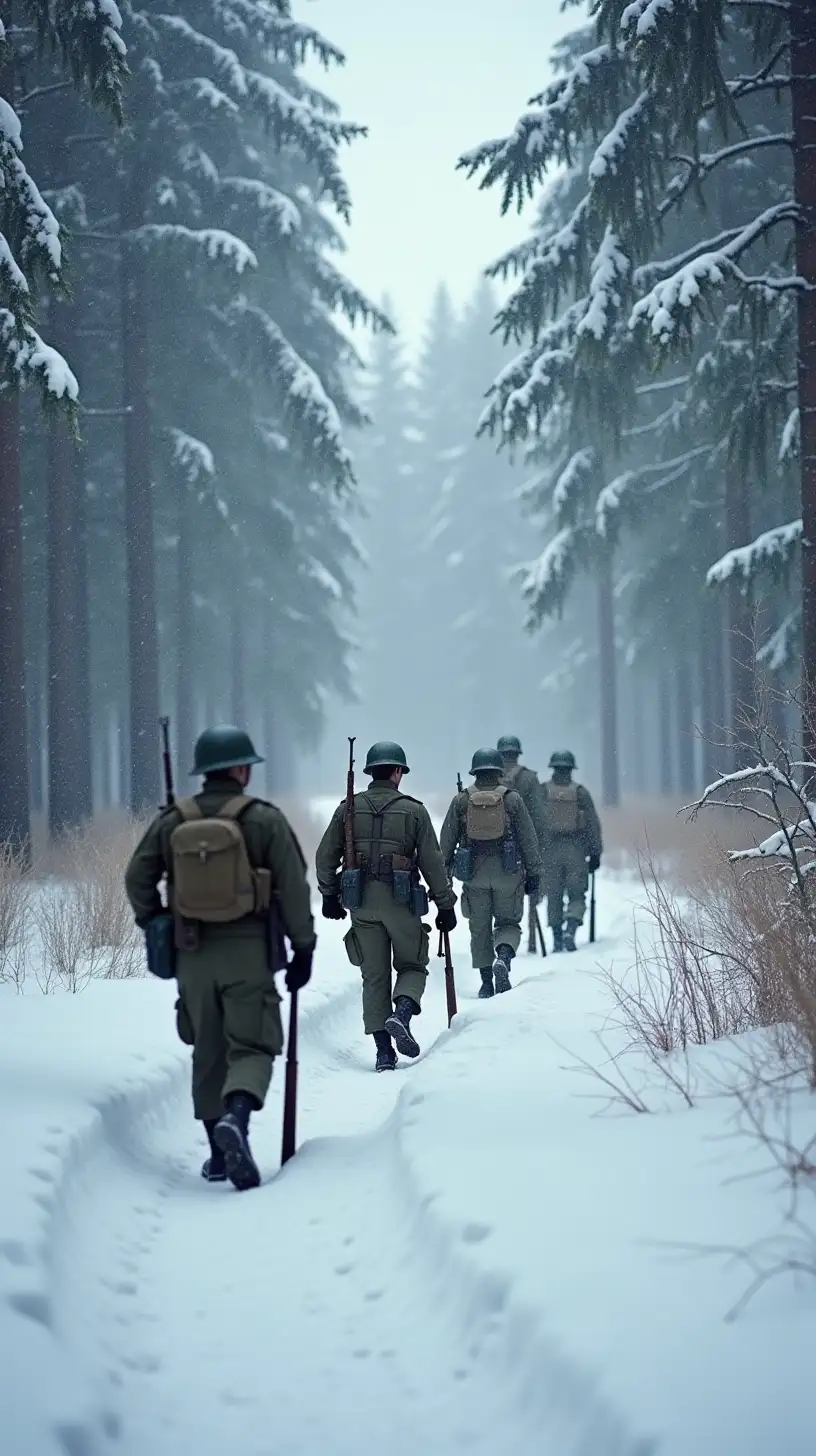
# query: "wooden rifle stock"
350, 855
288, 1146
450, 983
164, 724
592, 911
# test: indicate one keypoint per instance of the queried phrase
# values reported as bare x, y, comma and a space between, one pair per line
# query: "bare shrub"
15, 898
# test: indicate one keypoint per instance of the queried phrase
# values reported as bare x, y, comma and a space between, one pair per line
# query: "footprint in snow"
476, 1233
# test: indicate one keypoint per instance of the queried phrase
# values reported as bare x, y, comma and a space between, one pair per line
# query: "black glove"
332, 909
446, 920
299, 969
593, 863
531, 885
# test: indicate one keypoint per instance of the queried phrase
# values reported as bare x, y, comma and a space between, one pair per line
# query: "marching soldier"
394, 841
524, 780
572, 849
228, 857
489, 839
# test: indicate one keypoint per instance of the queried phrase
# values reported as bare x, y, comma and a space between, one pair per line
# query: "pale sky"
430, 79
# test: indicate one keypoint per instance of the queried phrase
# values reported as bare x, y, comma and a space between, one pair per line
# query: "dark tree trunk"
665, 734
62, 646
610, 773
637, 737
712, 691
684, 707
237, 663
143, 642
185, 704
36, 740
803, 70
15, 824
83, 783
742, 686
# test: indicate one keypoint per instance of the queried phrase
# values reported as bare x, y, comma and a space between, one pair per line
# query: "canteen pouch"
351, 889
402, 887
419, 900
509, 855
160, 946
463, 863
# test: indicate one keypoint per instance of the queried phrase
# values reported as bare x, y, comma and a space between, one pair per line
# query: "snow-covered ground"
470, 1255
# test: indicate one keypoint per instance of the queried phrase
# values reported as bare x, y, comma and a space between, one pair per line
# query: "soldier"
488, 831
394, 840
228, 1008
524, 780
572, 851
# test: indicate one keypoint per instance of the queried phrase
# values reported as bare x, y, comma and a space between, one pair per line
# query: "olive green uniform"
387, 823
493, 898
526, 782
229, 1009
565, 858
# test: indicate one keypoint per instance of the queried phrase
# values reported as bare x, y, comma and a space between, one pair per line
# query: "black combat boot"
386, 1056
558, 937
214, 1169
569, 934
398, 1026
486, 988
501, 968
231, 1135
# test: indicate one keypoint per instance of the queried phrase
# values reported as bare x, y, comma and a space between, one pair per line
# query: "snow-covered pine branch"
772, 551
214, 244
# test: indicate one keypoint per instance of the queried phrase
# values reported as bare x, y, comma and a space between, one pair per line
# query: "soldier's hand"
299, 969
593, 863
531, 886
446, 919
332, 909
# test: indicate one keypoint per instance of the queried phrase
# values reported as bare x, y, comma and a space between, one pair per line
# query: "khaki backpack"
486, 820
213, 879
561, 809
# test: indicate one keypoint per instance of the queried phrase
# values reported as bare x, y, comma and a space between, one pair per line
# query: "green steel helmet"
563, 759
509, 744
487, 760
386, 755
223, 747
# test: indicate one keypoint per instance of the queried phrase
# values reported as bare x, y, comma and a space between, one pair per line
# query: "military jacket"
386, 823
453, 829
590, 824
525, 781
271, 844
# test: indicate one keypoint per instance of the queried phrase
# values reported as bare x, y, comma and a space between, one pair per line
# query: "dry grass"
658, 833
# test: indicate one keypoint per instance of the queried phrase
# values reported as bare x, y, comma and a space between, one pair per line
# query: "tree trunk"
684, 708
665, 734
803, 71
83, 782
62, 653
610, 775
711, 684
237, 664
742, 687
185, 704
15, 824
637, 738
143, 642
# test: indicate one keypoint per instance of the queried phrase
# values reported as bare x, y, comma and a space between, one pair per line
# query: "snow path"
322, 1312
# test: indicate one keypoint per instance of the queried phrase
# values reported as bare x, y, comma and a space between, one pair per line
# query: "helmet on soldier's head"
563, 759
509, 744
386, 755
487, 760
223, 747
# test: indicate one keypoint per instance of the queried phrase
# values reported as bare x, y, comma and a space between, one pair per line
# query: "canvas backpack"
486, 820
561, 809
213, 879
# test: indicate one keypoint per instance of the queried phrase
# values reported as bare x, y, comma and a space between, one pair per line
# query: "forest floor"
487, 1251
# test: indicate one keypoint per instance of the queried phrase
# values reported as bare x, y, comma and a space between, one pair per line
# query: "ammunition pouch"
509, 855
160, 947
351, 889
463, 863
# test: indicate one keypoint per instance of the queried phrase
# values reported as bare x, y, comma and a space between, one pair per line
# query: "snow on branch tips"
772, 550
192, 456
215, 244
571, 485
610, 270
546, 582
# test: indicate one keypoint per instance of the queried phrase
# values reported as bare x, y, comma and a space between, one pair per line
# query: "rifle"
592, 910
450, 984
290, 1086
164, 724
351, 888
459, 785
533, 929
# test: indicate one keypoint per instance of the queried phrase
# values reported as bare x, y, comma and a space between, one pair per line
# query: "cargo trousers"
493, 905
229, 1012
385, 939
565, 874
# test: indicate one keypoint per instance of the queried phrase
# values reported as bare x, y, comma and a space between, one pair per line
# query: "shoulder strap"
188, 809
234, 808
382, 808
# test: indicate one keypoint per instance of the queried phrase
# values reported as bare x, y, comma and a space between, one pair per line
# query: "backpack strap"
234, 808
188, 809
